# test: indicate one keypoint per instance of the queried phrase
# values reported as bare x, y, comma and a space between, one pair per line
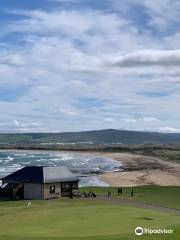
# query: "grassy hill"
108, 136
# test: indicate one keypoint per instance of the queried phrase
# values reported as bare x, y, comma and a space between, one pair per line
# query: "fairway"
80, 219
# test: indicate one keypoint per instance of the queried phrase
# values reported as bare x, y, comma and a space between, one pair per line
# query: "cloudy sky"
71, 65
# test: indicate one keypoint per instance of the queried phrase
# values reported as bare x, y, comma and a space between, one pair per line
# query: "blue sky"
73, 65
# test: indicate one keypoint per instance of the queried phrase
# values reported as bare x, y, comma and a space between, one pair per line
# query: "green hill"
108, 136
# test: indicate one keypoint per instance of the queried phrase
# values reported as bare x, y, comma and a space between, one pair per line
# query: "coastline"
140, 170
137, 170
85, 164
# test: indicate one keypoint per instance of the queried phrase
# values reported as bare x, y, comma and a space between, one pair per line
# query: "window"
52, 189
74, 185
65, 187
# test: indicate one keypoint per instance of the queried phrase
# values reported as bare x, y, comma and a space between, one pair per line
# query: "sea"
86, 166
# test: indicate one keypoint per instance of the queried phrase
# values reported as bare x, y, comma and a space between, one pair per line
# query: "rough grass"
79, 219
164, 196
170, 155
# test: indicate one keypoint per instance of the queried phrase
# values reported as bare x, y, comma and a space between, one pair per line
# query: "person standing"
132, 192
119, 191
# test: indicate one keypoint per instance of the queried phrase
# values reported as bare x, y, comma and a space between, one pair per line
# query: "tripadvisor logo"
139, 231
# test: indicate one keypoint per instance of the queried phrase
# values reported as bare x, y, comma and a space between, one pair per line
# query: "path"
138, 204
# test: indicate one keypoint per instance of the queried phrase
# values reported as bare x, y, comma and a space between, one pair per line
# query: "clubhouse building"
38, 182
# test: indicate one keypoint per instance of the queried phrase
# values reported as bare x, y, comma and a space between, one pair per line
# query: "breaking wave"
85, 165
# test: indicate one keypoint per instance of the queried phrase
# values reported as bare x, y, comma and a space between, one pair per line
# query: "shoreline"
137, 170
140, 170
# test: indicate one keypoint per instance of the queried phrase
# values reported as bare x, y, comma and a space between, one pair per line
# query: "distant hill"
108, 136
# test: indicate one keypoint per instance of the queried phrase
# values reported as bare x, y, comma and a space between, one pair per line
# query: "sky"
76, 65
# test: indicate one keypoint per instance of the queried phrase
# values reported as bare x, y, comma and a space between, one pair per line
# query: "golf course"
100, 218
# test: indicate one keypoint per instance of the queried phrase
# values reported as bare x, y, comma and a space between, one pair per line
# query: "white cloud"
17, 123
129, 120
11, 59
88, 68
72, 23
19, 126
161, 14
149, 119
109, 120
139, 119
155, 58
65, 111
25, 125
168, 130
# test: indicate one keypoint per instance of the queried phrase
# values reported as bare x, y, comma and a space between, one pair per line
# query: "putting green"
80, 219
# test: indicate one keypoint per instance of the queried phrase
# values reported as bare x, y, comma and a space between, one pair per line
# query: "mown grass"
164, 196
80, 219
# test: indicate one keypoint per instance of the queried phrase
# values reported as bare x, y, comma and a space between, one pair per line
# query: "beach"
97, 168
139, 170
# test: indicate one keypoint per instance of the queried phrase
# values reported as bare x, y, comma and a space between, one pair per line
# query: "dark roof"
38, 174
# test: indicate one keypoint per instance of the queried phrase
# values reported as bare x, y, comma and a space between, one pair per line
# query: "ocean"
86, 166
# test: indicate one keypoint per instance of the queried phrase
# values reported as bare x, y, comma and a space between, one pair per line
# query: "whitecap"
92, 181
81, 163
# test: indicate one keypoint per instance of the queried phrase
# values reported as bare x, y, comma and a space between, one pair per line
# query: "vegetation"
165, 146
108, 136
80, 219
163, 196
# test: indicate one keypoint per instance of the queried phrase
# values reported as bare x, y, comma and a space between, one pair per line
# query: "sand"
139, 170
